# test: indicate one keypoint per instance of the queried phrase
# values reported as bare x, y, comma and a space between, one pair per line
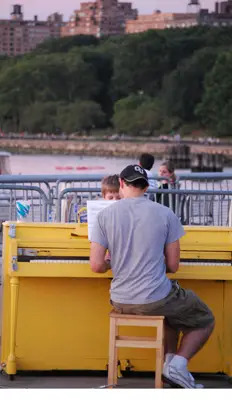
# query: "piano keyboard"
81, 261
205, 264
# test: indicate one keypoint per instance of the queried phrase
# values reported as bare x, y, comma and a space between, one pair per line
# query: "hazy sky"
43, 8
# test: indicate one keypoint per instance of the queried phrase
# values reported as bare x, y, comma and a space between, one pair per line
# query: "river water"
69, 164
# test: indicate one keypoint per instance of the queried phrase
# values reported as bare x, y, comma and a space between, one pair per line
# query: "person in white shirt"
146, 161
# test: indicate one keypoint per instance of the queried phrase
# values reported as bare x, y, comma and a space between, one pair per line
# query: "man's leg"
196, 322
171, 340
193, 341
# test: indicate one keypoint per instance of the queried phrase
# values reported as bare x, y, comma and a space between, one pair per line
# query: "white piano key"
205, 264
61, 261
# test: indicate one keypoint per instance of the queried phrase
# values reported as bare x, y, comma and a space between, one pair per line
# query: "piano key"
59, 261
206, 264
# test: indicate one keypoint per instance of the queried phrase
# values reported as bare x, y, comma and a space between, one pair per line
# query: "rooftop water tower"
193, 6
16, 13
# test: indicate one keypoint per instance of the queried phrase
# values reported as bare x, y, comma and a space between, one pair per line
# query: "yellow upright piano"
55, 310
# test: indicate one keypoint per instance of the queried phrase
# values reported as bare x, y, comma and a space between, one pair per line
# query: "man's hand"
98, 258
172, 256
108, 259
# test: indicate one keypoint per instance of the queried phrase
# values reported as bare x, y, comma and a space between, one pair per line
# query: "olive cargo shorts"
182, 309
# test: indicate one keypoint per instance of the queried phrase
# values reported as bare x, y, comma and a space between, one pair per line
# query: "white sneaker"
179, 378
198, 385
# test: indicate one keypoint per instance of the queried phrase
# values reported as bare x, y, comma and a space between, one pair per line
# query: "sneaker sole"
171, 383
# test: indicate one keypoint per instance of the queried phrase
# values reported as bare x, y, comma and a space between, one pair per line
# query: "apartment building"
18, 36
159, 20
221, 16
98, 18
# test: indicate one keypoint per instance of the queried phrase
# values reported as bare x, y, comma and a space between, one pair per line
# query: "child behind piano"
110, 191
110, 187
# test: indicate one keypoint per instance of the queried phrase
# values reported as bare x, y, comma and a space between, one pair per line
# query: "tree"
78, 116
65, 44
39, 117
102, 64
215, 110
139, 65
45, 78
147, 79
184, 87
137, 114
81, 78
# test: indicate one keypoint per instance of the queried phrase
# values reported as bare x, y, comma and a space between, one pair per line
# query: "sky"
43, 8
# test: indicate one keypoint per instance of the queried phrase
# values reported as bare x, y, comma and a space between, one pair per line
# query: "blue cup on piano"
22, 209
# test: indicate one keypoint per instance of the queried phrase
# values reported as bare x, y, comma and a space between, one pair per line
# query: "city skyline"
43, 8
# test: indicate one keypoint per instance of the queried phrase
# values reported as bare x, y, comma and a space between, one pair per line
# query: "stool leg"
113, 362
159, 357
116, 360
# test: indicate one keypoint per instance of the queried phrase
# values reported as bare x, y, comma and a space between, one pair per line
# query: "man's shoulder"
159, 206
162, 210
109, 209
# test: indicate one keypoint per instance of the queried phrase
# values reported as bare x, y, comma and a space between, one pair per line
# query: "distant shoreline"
103, 148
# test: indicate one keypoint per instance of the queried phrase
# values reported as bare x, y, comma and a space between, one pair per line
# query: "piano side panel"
5, 304
227, 328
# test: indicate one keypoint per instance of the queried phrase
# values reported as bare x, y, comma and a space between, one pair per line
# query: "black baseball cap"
133, 173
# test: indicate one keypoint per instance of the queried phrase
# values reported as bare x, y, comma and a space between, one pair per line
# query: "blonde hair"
170, 167
110, 184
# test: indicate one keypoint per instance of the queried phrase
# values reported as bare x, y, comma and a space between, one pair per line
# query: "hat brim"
136, 178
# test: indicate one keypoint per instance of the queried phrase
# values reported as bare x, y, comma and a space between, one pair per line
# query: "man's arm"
97, 258
172, 256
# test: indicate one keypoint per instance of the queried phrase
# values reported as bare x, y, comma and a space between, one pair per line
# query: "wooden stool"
116, 341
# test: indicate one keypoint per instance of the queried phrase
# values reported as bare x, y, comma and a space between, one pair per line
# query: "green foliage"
45, 78
143, 83
215, 109
139, 65
81, 115
65, 44
183, 88
39, 117
137, 114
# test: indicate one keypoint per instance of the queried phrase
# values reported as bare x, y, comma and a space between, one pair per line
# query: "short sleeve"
175, 229
98, 234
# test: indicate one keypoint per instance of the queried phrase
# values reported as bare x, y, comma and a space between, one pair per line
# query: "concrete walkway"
80, 381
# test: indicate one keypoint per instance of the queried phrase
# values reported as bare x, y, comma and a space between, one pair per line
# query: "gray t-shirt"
135, 232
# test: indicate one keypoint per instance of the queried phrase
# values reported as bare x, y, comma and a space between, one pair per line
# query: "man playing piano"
143, 240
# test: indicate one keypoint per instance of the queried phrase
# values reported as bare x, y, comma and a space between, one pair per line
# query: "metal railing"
199, 207
9, 194
72, 199
202, 199
193, 207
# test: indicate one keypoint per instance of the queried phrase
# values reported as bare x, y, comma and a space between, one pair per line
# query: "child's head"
167, 170
110, 187
146, 161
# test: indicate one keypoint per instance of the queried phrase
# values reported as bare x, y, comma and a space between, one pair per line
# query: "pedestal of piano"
55, 313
